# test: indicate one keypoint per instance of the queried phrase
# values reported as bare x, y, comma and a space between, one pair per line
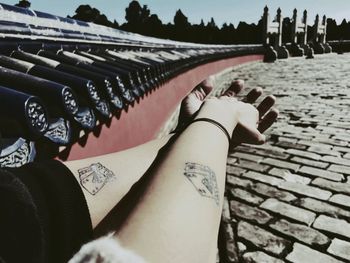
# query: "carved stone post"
281, 50
279, 19
327, 47
304, 21
316, 27
266, 22
295, 47
308, 51
320, 34
323, 34
295, 26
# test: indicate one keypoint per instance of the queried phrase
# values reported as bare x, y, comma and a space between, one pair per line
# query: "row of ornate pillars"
273, 31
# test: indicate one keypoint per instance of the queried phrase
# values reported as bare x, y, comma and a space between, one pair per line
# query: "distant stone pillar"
295, 26
274, 29
324, 34
279, 20
296, 30
327, 47
320, 35
316, 27
266, 22
304, 21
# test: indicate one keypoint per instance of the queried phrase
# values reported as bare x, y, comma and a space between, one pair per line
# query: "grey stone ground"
289, 200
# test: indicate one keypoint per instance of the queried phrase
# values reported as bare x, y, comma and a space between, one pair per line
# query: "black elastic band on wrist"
217, 124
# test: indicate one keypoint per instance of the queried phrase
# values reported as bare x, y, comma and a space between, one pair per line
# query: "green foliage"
88, 14
23, 3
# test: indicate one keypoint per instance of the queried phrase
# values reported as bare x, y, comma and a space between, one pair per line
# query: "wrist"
225, 112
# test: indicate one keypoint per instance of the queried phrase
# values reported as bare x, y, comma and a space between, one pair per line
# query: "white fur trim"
105, 250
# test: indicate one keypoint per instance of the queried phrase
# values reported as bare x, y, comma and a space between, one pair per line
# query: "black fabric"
60, 208
21, 236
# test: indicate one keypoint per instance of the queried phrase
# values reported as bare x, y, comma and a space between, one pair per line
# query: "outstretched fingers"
236, 87
268, 120
266, 105
253, 95
207, 85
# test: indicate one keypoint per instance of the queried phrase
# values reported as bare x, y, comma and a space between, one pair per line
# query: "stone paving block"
323, 151
288, 176
289, 140
258, 167
231, 161
234, 170
332, 142
341, 137
321, 173
246, 196
340, 168
260, 257
241, 248
336, 160
263, 178
290, 211
340, 248
281, 164
248, 212
293, 145
305, 154
300, 232
309, 162
333, 186
342, 149
304, 254
226, 214
307, 190
233, 180
270, 191
267, 151
323, 207
262, 239
231, 249
316, 147
246, 156
341, 199
336, 226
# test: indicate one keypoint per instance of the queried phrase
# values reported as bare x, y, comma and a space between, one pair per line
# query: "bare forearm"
183, 200
114, 175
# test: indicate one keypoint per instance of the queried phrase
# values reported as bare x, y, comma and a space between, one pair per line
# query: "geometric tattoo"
94, 177
203, 179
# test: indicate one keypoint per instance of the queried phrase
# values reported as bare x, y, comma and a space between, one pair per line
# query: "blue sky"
230, 11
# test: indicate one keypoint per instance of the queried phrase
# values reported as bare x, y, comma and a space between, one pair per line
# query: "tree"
212, 23
23, 3
135, 14
180, 20
287, 30
88, 14
136, 17
332, 30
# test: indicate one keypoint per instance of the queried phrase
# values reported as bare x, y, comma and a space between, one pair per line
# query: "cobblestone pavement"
289, 200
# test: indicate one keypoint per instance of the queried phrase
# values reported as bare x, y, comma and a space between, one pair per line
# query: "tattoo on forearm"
203, 179
94, 177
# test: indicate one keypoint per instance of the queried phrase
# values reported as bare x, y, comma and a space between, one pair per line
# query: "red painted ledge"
141, 122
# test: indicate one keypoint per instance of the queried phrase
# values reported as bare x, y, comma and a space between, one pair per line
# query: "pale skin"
130, 165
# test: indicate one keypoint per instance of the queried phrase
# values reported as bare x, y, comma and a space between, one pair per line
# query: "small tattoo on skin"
94, 177
203, 179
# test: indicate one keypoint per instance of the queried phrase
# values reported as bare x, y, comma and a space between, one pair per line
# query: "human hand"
254, 121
